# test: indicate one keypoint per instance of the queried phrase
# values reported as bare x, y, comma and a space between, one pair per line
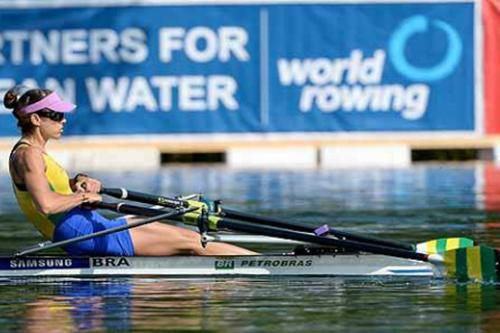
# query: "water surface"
412, 204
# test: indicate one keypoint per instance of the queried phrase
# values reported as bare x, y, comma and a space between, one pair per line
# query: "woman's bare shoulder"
27, 157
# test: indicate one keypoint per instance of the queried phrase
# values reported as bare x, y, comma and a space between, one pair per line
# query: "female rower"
52, 201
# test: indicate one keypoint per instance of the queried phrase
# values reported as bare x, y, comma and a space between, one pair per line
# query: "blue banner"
247, 68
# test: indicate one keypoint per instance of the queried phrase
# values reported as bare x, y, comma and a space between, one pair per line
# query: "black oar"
50, 245
229, 213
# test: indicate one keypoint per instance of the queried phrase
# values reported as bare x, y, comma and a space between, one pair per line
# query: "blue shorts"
78, 222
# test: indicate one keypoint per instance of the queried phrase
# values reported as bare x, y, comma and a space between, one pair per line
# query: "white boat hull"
192, 266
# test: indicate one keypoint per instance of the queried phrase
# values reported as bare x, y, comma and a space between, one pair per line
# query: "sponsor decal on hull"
44, 263
257, 263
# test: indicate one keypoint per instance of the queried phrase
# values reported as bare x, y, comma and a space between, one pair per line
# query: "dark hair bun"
10, 99
12, 96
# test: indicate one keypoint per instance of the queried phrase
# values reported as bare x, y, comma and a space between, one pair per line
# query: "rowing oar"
116, 207
122, 193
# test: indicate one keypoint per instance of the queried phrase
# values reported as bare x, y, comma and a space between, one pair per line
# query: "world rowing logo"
357, 82
420, 24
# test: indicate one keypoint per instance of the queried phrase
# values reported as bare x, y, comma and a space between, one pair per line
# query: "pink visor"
52, 102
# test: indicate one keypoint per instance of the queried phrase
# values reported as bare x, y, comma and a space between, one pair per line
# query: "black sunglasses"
52, 115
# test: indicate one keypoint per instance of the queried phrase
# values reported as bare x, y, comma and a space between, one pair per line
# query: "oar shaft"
125, 194
47, 245
232, 214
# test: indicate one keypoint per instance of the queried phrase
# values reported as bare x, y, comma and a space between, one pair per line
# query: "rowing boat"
320, 250
194, 266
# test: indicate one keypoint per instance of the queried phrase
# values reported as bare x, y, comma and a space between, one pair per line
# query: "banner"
491, 19
247, 68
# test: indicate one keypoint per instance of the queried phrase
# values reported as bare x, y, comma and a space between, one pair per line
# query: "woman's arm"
31, 168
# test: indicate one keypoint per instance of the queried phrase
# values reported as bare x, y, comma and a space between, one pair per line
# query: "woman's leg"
157, 239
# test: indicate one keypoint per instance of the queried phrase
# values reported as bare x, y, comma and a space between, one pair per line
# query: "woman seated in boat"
53, 202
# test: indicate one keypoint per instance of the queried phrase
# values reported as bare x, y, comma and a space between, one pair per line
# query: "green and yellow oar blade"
442, 245
477, 263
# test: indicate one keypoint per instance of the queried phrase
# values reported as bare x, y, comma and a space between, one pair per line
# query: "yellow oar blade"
442, 245
477, 263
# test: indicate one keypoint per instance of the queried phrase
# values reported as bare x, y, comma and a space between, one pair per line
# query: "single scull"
319, 251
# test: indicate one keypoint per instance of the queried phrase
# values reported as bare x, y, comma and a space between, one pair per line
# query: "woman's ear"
35, 119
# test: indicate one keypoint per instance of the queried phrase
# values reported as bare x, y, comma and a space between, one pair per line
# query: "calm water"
414, 204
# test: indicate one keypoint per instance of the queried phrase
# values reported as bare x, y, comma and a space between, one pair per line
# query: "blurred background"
281, 84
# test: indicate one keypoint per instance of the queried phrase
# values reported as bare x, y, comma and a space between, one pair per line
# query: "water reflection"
240, 305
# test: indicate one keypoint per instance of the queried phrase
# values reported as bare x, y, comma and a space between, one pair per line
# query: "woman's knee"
163, 241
